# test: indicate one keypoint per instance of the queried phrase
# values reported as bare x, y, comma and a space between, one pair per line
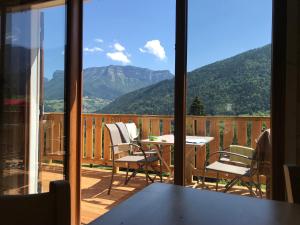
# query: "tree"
197, 108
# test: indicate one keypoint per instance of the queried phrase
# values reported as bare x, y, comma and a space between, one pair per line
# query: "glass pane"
128, 60
31, 139
228, 92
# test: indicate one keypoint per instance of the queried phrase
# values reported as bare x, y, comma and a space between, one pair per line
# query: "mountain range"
239, 85
107, 82
101, 85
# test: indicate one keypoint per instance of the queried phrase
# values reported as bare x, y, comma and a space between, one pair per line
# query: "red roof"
14, 101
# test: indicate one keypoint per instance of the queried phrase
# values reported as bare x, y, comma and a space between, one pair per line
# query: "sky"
142, 33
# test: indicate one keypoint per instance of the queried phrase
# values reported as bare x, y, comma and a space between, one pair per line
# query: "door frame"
278, 97
73, 104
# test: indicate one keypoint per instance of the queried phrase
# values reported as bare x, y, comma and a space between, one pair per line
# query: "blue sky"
142, 33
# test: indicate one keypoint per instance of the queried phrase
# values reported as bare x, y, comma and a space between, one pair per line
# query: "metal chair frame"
250, 174
127, 138
135, 158
255, 167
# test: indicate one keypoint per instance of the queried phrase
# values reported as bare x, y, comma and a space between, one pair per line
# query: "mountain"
107, 82
14, 78
234, 86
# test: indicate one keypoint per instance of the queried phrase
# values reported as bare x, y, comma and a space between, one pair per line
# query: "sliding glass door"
228, 93
31, 140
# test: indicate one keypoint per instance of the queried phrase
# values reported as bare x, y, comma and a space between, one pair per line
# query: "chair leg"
151, 179
217, 182
231, 184
127, 170
250, 187
160, 168
198, 179
157, 173
203, 178
259, 186
131, 176
111, 181
197, 183
146, 172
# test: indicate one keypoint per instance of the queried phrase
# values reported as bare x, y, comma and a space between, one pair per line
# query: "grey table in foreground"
166, 204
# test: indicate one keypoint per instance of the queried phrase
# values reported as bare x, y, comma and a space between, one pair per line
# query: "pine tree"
197, 108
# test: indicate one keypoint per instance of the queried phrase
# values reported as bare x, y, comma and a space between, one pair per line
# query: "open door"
29, 56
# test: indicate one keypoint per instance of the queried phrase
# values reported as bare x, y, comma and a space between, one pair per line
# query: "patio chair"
125, 133
292, 182
122, 153
252, 165
133, 132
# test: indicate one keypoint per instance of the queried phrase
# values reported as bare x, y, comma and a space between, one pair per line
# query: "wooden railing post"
189, 151
228, 133
201, 151
167, 149
107, 150
98, 138
242, 132
145, 127
89, 137
255, 131
83, 136
214, 132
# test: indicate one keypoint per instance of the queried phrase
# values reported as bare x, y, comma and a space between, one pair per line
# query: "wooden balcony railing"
226, 130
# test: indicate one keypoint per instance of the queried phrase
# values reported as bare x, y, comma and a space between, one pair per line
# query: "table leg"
189, 163
159, 154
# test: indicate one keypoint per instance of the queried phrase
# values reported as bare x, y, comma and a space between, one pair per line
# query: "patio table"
168, 140
167, 204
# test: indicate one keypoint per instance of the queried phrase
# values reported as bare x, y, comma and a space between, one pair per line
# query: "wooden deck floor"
94, 183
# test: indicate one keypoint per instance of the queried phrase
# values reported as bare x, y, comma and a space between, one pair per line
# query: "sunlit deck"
95, 201
96, 151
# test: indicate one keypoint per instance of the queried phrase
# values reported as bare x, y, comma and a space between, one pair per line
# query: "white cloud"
11, 38
119, 47
155, 48
99, 40
92, 50
142, 50
118, 56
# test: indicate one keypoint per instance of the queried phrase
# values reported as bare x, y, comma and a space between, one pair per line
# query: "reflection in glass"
26, 131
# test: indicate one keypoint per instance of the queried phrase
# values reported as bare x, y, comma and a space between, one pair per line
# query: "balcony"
96, 154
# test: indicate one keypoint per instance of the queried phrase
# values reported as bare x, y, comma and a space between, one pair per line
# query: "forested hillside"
234, 86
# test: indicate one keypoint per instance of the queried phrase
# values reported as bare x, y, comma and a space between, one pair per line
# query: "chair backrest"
263, 153
243, 150
124, 132
292, 182
51, 208
132, 130
115, 137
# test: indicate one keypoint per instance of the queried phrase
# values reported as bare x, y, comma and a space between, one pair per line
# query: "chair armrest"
226, 153
235, 154
132, 151
122, 147
121, 144
241, 146
135, 145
